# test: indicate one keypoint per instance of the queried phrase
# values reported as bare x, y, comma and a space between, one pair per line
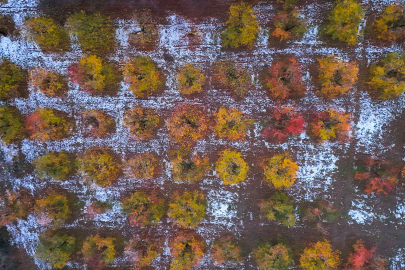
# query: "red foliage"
380, 186
363, 258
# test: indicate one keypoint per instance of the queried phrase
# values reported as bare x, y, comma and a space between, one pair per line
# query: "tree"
286, 4
279, 208
54, 207
11, 124
148, 35
226, 252
47, 34
56, 165
344, 21
144, 209
188, 167
142, 250
232, 124
97, 207
188, 209
98, 251
56, 249
95, 33
187, 250
49, 82
280, 171
144, 165
242, 27
362, 258
187, 124
232, 77
287, 25
143, 76
14, 206
284, 79
319, 256
336, 77
330, 125
284, 122
273, 257
11, 77
49, 124
231, 167
386, 79
143, 122
389, 26
100, 165
97, 123
190, 79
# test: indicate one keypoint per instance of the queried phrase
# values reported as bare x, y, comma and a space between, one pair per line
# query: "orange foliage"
49, 82
362, 258
331, 125
97, 123
187, 250
232, 124
143, 122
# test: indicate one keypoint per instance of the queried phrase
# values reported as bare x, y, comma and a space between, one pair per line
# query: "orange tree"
273, 257
97, 123
187, 250
147, 36
15, 206
11, 124
143, 249
144, 209
280, 171
279, 208
242, 27
319, 256
386, 79
231, 167
143, 165
344, 21
232, 77
187, 124
98, 251
284, 79
287, 26
362, 258
100, 165
56, 165
47, 34
284, 122
232, 124
54, 207
11, 77
143, 76
389, 26
330, 125
190, 79
49, 124
336, 77
49, 82
188, 209
226, 252
188, 167
143, 122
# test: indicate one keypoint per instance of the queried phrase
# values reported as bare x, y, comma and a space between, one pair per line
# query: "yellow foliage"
232, 124
190, 79
231, 167
187, 210
280, 171
188, 167
55, 207
49, 82
187, 251
331, 125
319, 256
93, 245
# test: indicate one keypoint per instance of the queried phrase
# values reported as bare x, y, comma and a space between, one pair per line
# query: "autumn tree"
336, 77
188, 209
144, 209
97, 123
56, 249
47, 34
48, 124
53, 208
15, 205
97, 207
231, 167
242, 27
143, 76
389, 26
98, 251
95, 33
232, 124
279, 208
190, 79
362, 258
287, 25
226, 252
142, 122
143, 165
321, 211
11, 77
284, 122
344, 20
56, 165
187, 124
49, 83
188, 167
143, 249
319, 256
100, 165
147, 34
11, 124
330, 125
233, 77
284, 79
273, 257
280, 170
386, 79
187, 250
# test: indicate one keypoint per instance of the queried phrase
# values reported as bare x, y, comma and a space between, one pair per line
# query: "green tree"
57, 165
188, 167
55, 207
279, 208
11, 124
273, 257
231, 167
280, 171
99, 250
319, 256
187, 250
232, 77
10, 79
190, 79
188, 209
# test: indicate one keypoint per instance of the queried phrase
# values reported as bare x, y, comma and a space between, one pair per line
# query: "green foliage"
55, 249
47, 34
279, 208
143, 122
232, 124
280, 171
11, 124
187, 250
49, 82
344, 21
231, 167
188, 209
144, 209
54, 207
242, 27
143, 166
99, 250
387, 78
273, 257
319, 256
10, 79
57, 165
232, 77
187, 167
190, 79
96, 33
226, 252
389, 26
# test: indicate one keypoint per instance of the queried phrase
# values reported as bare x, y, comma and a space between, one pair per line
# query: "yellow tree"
273, 257
319, 256
190, 79
188, 209
231, 167
232, 124
187, 250
280, 171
